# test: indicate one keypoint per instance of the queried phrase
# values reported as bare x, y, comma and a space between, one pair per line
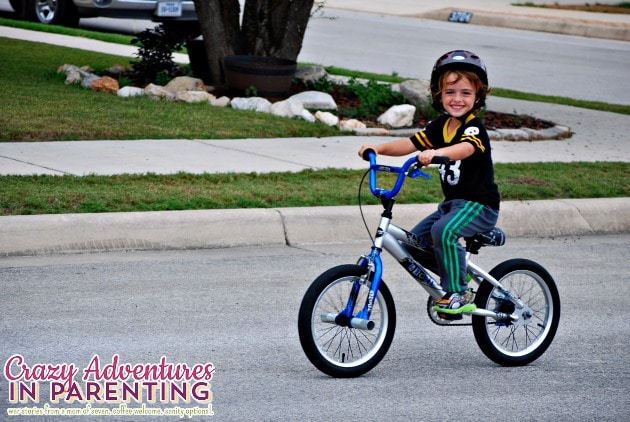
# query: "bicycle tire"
524, 341
341, 351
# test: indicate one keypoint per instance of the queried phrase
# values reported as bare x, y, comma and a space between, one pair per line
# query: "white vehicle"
68, 12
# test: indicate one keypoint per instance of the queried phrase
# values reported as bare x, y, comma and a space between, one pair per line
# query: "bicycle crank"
435, 318
465, 320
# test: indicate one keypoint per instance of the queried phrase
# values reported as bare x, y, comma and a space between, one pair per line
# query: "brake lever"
414, 171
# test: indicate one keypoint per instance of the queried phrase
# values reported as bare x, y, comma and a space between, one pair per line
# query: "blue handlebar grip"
438, 159
368, 153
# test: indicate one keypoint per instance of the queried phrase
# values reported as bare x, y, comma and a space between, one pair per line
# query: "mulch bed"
492, 119
347, 101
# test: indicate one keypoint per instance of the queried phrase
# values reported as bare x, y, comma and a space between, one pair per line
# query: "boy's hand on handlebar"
426, 156
364, 149
431, 156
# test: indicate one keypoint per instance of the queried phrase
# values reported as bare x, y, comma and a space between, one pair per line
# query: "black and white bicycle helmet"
458, 60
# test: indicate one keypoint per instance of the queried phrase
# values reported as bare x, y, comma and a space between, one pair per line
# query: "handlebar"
411, 168
439, 159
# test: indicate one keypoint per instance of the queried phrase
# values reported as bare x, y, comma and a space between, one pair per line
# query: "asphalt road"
236, 308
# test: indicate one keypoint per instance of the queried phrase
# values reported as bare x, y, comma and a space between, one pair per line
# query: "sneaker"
455, 304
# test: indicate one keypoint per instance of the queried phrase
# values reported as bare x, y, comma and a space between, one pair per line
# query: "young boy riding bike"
459, 86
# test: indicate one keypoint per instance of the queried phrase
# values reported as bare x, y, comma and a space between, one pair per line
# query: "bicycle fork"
361, 320
372, 279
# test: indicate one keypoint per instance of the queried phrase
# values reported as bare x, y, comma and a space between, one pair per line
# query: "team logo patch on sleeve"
473, 130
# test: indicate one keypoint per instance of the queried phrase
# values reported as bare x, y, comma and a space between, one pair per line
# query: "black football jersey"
472, 178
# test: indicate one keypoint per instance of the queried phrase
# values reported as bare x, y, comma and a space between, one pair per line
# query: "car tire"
18, 7
59, 12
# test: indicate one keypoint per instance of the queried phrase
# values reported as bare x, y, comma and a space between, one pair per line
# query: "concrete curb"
532, 22
73, 233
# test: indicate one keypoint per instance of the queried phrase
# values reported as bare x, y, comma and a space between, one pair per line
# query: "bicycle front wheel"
339, 350
521, 342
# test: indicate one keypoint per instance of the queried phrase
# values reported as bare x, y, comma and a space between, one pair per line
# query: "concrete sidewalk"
599, 136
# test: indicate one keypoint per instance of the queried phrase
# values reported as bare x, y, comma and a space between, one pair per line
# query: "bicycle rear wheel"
338, 350
518, 343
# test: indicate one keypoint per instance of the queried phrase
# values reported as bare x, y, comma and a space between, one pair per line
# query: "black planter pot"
270, 76
199, 60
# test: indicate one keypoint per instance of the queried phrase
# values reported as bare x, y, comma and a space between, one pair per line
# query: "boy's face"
458, 96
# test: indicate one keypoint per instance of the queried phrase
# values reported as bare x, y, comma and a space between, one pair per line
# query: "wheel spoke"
341, 350
524, 340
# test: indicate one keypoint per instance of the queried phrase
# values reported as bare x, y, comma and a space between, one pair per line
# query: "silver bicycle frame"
391, 238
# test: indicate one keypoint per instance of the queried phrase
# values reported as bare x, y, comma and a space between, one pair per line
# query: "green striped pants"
443, 229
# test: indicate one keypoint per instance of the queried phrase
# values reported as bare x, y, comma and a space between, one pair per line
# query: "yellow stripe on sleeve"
421, 137
475, 141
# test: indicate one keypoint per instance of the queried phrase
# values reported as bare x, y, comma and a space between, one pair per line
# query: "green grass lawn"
72, 194
36, 105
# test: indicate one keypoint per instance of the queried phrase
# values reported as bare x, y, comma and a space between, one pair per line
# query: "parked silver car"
68, 12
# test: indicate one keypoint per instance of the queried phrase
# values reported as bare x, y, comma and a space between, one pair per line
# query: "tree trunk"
219, 23
275, 28
271, 28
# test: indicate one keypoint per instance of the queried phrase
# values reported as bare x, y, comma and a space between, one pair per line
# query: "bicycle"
347, 317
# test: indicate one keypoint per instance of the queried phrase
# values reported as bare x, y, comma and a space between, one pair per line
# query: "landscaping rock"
556, 132
513, 135
372, 131
105, 84
65, 68
87, 80
185, 83
193, 96
315, 100
351, 125
130, 91
220, 102
157, 92
307, 115
290, 108
254, 103
416, 91
327, 118
310, 73
117, 70
73, 77
75, 74
398, 116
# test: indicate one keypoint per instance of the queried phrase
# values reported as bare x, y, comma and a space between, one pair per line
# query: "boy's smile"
458, 96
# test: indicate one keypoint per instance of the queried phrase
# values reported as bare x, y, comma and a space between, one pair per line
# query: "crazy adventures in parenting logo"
110, 381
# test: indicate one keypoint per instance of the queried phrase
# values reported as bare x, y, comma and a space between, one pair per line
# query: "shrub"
156, 47
374, 97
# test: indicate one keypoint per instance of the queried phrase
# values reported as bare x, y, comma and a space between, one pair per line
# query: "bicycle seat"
494, 237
